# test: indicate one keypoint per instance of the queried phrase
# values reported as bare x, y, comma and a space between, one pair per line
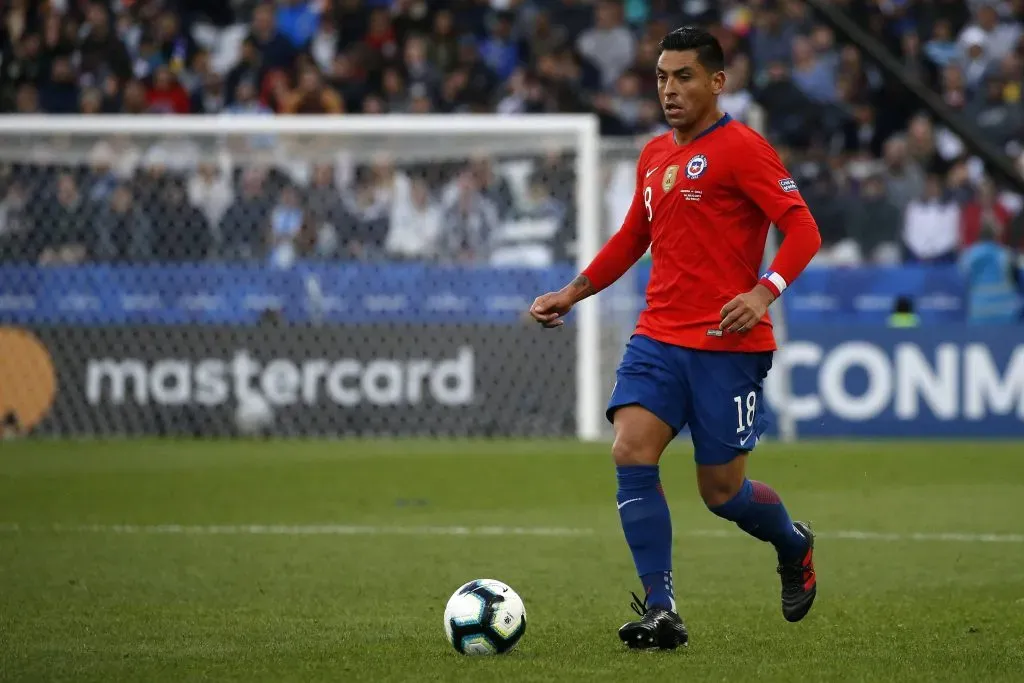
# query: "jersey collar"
726, 118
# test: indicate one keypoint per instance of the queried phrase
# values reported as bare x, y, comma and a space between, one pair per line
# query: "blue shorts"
718, 394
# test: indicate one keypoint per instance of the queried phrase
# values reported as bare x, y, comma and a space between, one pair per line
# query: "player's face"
686, 89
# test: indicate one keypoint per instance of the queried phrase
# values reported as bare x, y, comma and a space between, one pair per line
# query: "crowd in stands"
885, 182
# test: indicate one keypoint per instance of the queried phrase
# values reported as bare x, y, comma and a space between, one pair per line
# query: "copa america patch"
788, 185
696, 166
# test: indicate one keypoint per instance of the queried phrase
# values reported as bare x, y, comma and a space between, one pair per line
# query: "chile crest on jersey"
696, 166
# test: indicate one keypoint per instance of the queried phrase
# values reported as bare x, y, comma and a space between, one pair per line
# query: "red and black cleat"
799, 582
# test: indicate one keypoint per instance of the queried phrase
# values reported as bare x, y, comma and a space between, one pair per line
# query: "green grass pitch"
317, 561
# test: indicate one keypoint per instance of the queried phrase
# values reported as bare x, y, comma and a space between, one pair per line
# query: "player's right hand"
550, 309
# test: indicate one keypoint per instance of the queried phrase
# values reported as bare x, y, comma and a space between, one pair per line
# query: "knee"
628, 451
717, 491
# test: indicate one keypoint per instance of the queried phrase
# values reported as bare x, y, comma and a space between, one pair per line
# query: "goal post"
380, 290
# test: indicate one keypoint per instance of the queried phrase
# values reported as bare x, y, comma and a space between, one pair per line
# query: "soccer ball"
484, 617
253, 415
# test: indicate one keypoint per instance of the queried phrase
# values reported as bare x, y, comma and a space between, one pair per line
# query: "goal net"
302, 276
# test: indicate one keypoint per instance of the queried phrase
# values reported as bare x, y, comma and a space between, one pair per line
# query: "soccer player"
706, 193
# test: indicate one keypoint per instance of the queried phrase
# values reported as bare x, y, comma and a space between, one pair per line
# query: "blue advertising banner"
231, 295
411, 293
867, 295
859, 381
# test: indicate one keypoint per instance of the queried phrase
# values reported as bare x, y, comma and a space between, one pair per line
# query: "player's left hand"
746, 310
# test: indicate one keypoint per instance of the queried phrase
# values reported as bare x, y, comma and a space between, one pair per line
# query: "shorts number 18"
751, 406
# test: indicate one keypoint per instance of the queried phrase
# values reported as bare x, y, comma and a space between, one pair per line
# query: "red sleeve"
801, 241
625, 247
766, 182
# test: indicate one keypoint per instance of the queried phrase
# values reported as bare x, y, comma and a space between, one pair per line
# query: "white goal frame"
582, 130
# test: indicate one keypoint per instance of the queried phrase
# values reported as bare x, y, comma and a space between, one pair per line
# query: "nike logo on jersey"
744, 440
651, 171
627, 502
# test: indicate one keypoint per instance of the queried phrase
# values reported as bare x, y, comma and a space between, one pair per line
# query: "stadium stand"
887, 184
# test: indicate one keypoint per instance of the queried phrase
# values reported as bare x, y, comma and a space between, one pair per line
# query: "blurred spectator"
953, 87
999, 121
499, 51
921, 144
814, 77
325, 43
480, 80
771, 39
875, 221
249, 68
209, 190
492, 185
63, 230
904, 179
976, 56
418, 67
931, 225
101, 180
470, 221
415, 221
830, 208
181, 232
998, 38
16, 230
380, 34
124, 230
22, 66
368, 218
298, 20
941, 49
242, 228
27, 100
737, 98
915, 61
246, 101
608, 44
276, 51
626, 101
990, 269
60, 94
789, 109
312, 96
91, 102
348, 81
210, 97
529, 237
288, 229
134, 98
101, 51
326, 214
166, 95
443, 46
544, 36
983, 209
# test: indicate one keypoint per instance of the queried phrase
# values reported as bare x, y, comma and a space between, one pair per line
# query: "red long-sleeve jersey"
704, 208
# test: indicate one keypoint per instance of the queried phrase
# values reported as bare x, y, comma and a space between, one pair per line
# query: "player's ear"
718, 82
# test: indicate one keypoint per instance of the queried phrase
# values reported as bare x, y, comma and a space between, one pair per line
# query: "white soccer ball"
484, 617
253, 415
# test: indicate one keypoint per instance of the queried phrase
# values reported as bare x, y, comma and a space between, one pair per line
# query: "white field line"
367, 530
318, 530
883, 536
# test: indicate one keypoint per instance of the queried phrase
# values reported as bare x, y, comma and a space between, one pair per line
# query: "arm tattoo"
581, 287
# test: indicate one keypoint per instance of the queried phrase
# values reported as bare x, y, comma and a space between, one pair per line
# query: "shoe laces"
795, 572
639, 606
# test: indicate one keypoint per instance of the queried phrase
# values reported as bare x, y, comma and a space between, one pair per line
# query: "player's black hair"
708, 49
